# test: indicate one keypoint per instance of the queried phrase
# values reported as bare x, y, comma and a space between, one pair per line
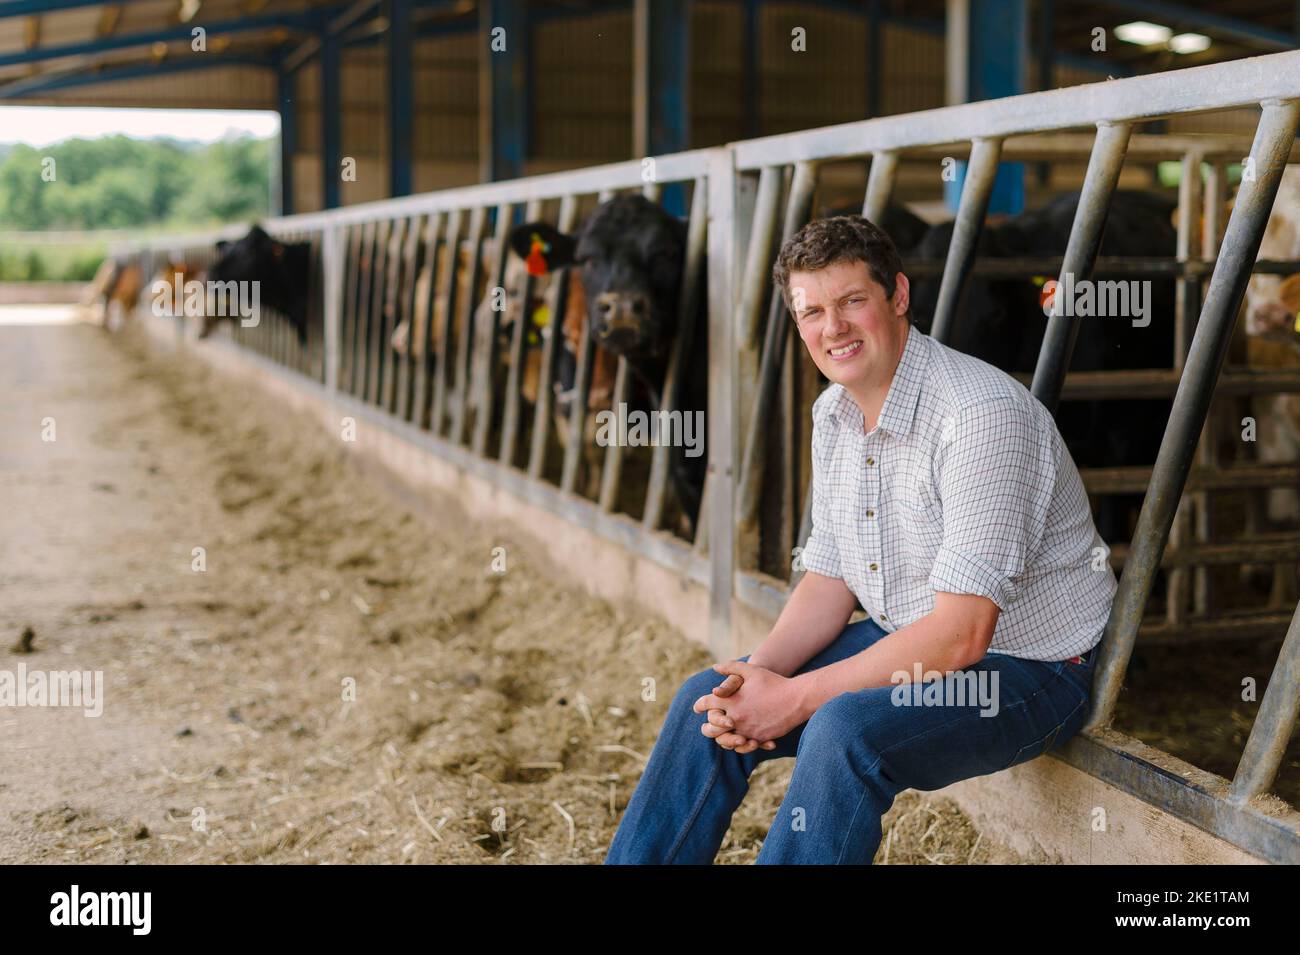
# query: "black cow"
282, 271
1002, 322
631, 256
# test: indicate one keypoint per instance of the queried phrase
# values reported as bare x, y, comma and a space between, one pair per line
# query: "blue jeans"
853, 756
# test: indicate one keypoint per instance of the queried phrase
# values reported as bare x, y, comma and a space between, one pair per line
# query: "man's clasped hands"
751, 708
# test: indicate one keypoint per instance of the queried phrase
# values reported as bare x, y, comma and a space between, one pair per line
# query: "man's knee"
842, 725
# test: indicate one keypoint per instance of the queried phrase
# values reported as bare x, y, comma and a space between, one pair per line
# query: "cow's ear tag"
541, 316
536, 260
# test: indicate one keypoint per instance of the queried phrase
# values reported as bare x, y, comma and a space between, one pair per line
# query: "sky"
43, 125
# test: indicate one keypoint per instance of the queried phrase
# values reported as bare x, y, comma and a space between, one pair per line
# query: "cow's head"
282, 271
1273, 307
1273, 301
631, 254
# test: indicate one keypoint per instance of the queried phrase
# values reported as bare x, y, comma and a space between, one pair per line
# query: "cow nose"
621, 310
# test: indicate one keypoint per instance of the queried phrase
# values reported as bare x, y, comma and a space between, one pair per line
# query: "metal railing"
744, 197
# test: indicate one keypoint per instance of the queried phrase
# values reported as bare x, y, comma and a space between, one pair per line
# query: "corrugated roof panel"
63, 26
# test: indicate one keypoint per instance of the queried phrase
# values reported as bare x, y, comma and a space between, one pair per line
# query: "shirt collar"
899, 410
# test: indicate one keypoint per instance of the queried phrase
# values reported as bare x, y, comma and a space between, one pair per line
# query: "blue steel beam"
169, 34
288, 102
501, 89
331, 121
22, 8
660, 86
39, 84
401, 97
355, 26
997, 34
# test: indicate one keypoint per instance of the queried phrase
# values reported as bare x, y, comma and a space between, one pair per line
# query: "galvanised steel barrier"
1192, 609
1112, 108
427, 261
373, 258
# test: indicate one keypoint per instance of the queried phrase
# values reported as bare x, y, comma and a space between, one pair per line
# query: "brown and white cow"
1272, 323
411, 335
167, 290
114, 292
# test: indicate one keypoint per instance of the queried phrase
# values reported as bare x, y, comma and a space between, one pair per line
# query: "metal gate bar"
1250, 213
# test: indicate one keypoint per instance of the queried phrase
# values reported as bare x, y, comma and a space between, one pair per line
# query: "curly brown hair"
835, 240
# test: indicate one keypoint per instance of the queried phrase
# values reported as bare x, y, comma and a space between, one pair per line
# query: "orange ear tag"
536, 261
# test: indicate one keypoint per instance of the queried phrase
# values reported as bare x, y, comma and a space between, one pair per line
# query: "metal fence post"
724, 460
1104, 165
966, 230
332, 290
1272, 146
1273, 724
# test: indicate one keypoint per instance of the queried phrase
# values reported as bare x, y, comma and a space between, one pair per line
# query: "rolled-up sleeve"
996, 474
821, 554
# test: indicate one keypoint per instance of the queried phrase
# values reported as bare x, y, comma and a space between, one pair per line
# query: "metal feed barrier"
379, 263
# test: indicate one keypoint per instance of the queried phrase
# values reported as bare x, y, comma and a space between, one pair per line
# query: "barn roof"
48, 46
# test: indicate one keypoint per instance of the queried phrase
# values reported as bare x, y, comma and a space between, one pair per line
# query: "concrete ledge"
1047, 810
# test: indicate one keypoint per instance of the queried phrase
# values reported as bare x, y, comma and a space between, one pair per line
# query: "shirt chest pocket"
920, 531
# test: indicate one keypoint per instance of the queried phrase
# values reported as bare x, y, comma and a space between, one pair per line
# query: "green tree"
118, 182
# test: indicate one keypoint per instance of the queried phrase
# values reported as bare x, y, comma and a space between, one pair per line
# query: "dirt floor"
495, 718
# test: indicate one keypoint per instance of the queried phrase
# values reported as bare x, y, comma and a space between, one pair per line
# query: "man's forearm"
933, 642
813, 616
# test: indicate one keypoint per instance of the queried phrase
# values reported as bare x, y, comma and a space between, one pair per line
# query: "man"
945, 501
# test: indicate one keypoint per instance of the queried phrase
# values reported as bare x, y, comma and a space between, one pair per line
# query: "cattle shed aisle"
711, 586
1033, 809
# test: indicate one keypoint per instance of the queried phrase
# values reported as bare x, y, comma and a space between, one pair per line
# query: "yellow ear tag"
541, 316
1297, 323
1039, 280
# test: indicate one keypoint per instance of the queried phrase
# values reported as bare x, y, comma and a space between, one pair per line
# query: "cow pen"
740, 199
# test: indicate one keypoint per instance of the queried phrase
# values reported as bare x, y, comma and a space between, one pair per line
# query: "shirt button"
884, 616
871, 462
874, 566
870, 512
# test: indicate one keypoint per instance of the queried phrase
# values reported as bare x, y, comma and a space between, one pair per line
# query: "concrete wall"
41, 293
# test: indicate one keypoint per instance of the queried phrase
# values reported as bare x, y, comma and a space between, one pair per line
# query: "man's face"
852, 331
